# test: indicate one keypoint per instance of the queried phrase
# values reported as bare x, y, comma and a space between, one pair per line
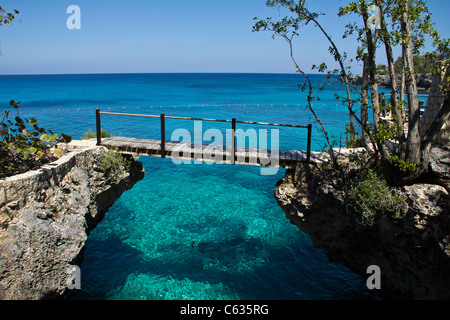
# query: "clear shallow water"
193, 231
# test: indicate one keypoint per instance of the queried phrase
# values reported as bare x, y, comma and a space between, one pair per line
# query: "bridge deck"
209, 153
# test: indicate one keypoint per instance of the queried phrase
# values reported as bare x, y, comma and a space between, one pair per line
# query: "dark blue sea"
195, 231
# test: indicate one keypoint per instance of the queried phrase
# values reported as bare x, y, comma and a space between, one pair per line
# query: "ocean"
195, 231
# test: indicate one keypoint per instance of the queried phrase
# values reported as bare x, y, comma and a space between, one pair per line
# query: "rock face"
412, 252
46, 216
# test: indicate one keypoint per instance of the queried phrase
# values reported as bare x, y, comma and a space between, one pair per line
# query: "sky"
149, 36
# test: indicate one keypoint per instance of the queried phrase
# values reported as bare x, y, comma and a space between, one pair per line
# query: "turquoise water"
194, 231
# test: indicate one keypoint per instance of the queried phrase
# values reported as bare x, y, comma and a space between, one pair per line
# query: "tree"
388, 42
283, 28
6, 18
413, 154
382, 69
288, 28
402, 23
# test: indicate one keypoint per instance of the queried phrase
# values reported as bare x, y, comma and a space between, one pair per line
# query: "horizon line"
124, 73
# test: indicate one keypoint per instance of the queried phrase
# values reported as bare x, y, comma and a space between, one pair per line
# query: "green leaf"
33, 121
14, 104
66, 138
46, 138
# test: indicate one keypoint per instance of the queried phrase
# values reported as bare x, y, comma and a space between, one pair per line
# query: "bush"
371, 195
114, 161
90, 135
24, 145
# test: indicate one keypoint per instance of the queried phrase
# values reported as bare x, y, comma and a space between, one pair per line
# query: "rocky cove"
46, 216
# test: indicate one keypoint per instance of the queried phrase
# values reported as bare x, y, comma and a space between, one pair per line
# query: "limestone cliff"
46, 215
412, 252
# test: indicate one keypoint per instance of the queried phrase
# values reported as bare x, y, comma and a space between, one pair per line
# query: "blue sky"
119, 36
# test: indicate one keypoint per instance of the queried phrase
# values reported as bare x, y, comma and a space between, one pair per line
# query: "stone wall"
46, 216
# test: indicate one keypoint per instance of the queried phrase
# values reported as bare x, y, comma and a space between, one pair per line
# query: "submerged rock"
46, 216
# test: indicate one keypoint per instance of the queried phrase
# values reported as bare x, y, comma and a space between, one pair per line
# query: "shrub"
371, 195
24, 145
90, 135
114, 161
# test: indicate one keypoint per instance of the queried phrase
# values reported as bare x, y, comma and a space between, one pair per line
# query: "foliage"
90, 135
6, 17
371, 195
24, 145
402, 165
386, 130
406, 24
382, 69
114, 161
422, 63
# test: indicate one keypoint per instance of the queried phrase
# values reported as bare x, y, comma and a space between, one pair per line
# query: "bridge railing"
233, 122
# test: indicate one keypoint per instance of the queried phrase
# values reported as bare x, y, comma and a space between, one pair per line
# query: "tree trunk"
432, 129
413, 154
397, 108
365, 102
371, 49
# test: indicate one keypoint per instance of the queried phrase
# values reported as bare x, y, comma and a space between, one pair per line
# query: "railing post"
308, 151
233, 141
163, 136
99, 127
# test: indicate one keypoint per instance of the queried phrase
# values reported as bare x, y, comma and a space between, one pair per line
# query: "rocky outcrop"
412, 252
46, 216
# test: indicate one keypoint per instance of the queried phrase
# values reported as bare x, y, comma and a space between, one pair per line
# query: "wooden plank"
209, 153
253, 156
288, 155
240, 154
152, 146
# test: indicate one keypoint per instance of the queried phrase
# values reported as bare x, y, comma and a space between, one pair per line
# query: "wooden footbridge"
205, 152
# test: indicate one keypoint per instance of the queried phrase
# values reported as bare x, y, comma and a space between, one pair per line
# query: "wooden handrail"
233, 131
203, 119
